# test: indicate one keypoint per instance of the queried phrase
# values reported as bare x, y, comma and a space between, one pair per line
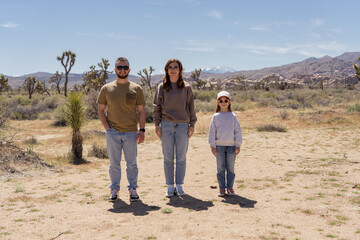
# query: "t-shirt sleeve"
140, 99
102, 98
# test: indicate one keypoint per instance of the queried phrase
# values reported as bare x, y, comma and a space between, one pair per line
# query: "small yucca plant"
75, 117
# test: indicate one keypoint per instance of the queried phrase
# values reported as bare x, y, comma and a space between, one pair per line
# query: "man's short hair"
122, 59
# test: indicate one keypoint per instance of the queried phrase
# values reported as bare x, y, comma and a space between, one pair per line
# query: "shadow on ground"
236, 199
137, 208
190, 202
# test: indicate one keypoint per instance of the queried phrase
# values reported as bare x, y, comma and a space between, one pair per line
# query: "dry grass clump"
98, 152
271, 128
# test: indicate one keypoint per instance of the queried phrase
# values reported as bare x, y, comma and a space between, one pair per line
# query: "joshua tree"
56, 78
30, 85
95, 79
67, 60
199, 83
75, 117
4, 84
146, 80
357, 69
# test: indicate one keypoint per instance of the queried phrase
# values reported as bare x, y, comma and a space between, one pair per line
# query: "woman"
175, 120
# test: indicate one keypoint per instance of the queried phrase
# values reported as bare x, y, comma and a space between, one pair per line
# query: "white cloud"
318, 22
124, 36
215, 14
197, 49
259, 28
309, 50
9, 25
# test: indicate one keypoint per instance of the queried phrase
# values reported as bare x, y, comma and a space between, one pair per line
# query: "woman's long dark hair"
166, 79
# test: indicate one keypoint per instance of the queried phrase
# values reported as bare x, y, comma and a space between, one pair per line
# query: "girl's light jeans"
116, 142
175, 141
225, 159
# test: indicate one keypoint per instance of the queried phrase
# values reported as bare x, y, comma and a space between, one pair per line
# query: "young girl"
225, 139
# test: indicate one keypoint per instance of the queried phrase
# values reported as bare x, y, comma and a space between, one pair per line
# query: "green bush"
206, 96
354, 108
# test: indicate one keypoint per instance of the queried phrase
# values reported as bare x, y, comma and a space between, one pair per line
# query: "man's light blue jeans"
116, 142
175, 141
225, 159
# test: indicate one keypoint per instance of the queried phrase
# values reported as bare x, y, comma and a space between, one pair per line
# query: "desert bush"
205, 95
31, 141
271, 128
4, 112
91, 105
284, 115
354, 108
204, 106
149, 108
98, 152
59, 115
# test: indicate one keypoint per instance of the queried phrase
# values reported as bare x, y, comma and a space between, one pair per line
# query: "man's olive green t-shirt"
121, 100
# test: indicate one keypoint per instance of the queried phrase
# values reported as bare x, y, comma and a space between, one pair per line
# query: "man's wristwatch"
142, 130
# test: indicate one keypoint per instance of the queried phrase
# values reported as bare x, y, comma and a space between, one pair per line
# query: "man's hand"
140, 137
213, 150
191, 131
158, 131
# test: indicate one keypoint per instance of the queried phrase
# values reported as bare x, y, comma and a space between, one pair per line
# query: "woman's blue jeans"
175, 141
225, 159
116, 142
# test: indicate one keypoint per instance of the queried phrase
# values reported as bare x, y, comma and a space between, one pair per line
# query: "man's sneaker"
179, 190
230, 192
170, 192
221, 192
133, 195
114, 194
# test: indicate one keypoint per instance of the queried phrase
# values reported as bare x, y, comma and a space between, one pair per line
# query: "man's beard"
123, 76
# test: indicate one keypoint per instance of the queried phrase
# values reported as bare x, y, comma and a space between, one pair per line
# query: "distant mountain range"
220, 69
340, 66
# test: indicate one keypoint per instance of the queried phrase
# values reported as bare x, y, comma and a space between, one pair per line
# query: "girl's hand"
213, 150
191, 131
237, 150
158, 131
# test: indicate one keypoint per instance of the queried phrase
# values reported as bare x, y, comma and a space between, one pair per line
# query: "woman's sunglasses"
175, 67
226, 101
119, 67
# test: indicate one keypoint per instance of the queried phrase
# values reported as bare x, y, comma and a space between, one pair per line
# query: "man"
120, 104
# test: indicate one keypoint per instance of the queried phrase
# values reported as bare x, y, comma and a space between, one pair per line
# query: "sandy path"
302, 184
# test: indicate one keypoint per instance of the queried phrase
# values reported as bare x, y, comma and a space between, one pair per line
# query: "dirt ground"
300, 184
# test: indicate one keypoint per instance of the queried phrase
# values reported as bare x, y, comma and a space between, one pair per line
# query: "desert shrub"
204, 106
354, 108
149, 108
31, 141
271, 128
149, 112
284, 115
91, 105
205, 95
4, 112
98, 152
59, 115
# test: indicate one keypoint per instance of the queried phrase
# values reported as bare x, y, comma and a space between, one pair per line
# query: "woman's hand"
237, 150
158, 131
191, 131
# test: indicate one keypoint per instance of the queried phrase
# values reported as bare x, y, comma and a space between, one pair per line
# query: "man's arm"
102, 116
141, 112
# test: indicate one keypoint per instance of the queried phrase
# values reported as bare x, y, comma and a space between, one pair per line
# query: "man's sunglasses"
221, 101
119, 67
175, 67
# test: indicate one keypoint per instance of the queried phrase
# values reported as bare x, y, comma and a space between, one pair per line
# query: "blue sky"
243, 35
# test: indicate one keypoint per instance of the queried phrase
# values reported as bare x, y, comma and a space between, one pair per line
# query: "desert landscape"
303, 183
